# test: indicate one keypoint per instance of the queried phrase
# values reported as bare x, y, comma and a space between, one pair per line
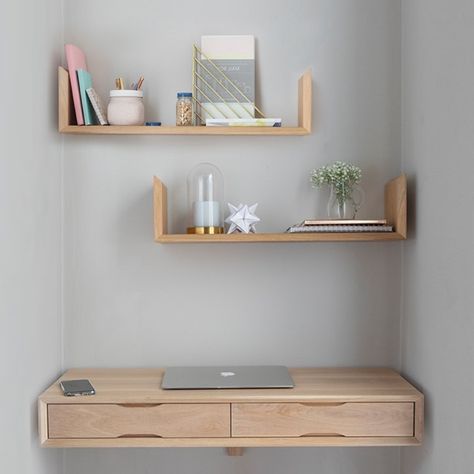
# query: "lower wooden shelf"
395, 213
280, 238
327, 407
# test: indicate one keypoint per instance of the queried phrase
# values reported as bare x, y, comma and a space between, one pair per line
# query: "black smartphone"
73, 388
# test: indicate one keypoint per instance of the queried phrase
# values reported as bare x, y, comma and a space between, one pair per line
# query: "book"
345, 222
84, 80
75, 60
234, 56
97, 106
339, 228
256, 122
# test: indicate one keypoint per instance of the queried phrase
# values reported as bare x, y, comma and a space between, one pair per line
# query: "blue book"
85, 82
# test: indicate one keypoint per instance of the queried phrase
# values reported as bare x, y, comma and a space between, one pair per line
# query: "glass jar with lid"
184, 109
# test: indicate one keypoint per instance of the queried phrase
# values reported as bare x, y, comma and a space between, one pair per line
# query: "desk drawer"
138, 421
312, 419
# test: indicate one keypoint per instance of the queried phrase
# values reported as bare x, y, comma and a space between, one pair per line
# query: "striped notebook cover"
340, 228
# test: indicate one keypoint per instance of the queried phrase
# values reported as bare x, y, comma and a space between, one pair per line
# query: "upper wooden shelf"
66, 123
395, 213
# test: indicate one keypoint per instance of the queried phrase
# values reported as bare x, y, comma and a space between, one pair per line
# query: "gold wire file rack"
209, 94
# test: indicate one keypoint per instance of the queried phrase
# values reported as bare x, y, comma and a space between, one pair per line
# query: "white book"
234, 56
260, 122
97, 106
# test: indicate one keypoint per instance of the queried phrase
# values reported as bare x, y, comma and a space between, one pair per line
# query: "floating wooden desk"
327, 407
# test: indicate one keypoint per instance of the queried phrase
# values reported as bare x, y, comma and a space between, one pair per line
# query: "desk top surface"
312, 385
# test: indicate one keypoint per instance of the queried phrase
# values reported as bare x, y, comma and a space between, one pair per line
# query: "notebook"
85, 82
339, 228
75, 60
234, 55
97, 106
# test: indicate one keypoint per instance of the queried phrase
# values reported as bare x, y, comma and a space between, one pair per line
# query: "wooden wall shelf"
66, 123
327, 407
395, 213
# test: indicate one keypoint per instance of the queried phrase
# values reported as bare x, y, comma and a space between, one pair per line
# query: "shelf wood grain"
66, 121
164, 420
284, 420
279, 237
359, 407
171, 130
395, 208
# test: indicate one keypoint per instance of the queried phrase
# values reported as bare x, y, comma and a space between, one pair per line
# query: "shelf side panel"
396, 204
419, 420
43, 421
305, 100
65, 105
160, 206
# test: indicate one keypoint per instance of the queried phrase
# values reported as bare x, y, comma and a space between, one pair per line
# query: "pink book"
75, 60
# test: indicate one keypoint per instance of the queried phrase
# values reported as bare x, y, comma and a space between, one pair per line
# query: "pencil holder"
126, 107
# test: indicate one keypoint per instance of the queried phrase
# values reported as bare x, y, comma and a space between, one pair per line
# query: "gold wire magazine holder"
216, 96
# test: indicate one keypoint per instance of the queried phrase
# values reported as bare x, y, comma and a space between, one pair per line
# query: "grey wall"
30, 206
131, 302
438, 273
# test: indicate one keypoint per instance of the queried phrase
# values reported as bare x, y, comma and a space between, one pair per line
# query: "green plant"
343, 176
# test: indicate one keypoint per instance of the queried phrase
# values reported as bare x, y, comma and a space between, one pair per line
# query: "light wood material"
160, 206
235, 451
65, 104
172, 130
43, 421
305, 101
318, 441
139, 389
419, 419
395, 207
279, 238
67, 124
396, 204
321, 385
142, 421
281, 420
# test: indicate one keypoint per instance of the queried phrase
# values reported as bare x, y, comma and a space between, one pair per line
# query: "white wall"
30, 45
131, 302
438, 274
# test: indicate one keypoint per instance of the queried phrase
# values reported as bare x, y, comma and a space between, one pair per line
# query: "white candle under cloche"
206, 214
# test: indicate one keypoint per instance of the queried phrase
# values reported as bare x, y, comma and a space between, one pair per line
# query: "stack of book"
87, 105
342, 225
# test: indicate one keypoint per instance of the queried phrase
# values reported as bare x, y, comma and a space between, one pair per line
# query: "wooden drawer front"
299, 419
127, 421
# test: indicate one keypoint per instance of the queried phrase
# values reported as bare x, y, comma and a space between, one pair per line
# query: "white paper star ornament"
242, 218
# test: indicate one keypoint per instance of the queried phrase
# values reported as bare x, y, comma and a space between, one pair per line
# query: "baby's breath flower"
343, 176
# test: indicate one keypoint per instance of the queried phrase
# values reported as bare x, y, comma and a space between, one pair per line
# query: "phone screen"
77, 387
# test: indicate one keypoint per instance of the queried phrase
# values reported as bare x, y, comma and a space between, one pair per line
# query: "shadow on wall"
254, 461
412, 206
415, 454
134, 221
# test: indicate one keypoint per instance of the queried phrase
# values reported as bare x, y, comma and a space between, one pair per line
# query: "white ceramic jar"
126, 107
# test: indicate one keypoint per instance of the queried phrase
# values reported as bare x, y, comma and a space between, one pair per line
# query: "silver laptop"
269, 376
